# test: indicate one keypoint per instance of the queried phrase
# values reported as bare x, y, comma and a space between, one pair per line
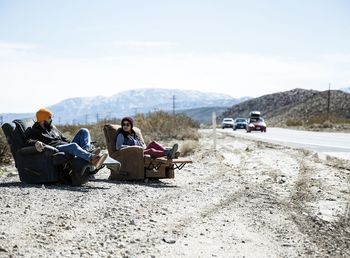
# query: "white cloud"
17, 46
145, 44
337, 58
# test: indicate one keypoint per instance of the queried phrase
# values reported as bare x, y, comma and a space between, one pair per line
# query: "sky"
54, 50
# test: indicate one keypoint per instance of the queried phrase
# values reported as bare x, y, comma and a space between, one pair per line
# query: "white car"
227, 122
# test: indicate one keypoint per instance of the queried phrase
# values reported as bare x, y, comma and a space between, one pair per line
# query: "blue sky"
53, 50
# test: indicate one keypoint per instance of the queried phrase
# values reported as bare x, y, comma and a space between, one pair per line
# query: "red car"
256, 124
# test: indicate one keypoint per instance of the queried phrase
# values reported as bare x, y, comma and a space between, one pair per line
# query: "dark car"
240, 123
256, 124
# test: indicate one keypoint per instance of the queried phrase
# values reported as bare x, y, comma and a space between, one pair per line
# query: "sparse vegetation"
5, 154
294, 122
154, 126
320, 121
188, 147
164, 126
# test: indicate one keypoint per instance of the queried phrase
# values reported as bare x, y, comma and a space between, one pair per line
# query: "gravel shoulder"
247, 199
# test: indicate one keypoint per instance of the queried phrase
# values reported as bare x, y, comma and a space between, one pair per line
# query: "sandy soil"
247, 199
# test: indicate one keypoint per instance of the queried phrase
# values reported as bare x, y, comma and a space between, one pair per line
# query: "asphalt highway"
335, 144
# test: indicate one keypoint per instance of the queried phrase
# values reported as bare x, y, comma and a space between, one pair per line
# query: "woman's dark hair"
131, 121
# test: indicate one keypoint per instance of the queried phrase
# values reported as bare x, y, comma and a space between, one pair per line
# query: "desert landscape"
246, 199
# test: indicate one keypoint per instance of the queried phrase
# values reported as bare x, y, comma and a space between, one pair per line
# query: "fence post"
214, 129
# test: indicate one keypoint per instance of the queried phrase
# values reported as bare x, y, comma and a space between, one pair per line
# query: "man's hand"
39, 146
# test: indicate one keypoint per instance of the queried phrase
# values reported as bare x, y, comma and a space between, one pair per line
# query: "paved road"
336, 144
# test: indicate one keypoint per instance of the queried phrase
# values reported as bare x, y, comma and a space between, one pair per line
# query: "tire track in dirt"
322, 237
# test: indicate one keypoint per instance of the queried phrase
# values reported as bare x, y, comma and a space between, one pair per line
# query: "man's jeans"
79, 146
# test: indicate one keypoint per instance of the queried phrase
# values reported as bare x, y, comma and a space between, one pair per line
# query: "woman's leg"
83, 138
156, 146
154, 152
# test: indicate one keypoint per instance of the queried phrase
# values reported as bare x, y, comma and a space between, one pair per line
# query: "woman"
127, 137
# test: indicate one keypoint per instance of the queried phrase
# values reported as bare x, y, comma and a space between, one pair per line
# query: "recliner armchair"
134, 164
49, 166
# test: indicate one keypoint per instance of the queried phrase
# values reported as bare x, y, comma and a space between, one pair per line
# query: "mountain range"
130, 102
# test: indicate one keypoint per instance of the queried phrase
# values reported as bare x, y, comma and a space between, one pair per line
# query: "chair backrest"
15, 133
111, 131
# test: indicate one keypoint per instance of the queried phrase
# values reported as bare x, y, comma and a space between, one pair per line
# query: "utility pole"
1, 120
86, 119
173, 105
97, 118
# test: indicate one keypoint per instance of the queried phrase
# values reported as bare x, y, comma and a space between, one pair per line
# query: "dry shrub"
5, 153
188, 147
96, 131
160, 126
294, 122
326, 120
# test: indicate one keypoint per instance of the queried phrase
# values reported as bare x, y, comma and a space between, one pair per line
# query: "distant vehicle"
240, 123
227, 122
254, 114
256, 122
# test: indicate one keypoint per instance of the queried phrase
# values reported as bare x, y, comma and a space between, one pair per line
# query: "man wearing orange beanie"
43, 133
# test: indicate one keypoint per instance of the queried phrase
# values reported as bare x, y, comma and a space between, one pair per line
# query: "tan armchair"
131, 158
134, 164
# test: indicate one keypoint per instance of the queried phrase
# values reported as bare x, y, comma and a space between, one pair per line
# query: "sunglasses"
126, 124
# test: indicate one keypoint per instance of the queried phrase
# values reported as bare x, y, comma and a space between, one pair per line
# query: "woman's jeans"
79, 146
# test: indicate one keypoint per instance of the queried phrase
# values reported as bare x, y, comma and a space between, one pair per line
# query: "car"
240, 123
256, 124
227, 122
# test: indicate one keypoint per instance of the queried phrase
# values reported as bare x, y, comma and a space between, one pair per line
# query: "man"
43, 132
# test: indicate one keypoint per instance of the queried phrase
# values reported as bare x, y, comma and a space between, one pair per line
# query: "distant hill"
203, 115
297, 104
130, 102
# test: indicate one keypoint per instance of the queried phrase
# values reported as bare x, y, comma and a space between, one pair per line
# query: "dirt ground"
247, 199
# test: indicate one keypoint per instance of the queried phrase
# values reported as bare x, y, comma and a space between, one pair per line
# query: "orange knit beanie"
43, 114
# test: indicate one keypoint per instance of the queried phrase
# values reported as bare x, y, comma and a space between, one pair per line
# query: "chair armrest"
130, 150
28, 150
59, 158
48, 150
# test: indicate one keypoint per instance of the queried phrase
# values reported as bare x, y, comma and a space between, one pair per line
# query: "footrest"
172, 163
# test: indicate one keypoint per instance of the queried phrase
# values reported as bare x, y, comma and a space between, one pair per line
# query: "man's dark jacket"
51, 136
